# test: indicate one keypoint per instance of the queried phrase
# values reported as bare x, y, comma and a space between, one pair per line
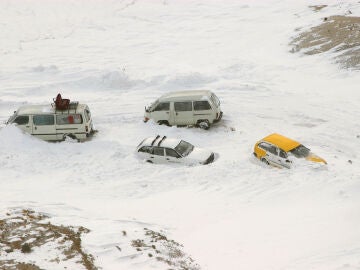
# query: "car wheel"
149, 161
265, 161
204, 124
69, 137
163, 122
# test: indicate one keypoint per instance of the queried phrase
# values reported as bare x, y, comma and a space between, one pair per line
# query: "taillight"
86, 128
146, 119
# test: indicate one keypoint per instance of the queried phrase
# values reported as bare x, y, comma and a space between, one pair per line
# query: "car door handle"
27, 126
35, 127
167, 112
151, 157
168, 159
176, 113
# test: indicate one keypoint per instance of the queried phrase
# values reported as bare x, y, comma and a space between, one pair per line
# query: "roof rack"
163, 138
157, 137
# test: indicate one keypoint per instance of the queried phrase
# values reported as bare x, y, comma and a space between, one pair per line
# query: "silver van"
196, 107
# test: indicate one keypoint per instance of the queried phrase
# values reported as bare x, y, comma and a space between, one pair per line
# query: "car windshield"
300, 151
184, 148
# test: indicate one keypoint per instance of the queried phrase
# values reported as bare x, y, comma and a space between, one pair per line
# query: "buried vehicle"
276, 149
183, 108
166, 150
55, 122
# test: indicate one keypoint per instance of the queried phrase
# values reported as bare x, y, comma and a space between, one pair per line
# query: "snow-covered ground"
118, 56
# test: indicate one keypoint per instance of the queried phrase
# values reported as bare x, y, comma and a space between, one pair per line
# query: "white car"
165, 150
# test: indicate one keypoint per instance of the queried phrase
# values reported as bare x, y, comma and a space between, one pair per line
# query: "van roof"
46, 109
180, 95
281, 141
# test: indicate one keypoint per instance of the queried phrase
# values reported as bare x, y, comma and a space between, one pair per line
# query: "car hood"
199, 154
314, 158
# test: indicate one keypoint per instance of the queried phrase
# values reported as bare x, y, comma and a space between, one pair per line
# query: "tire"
163, 122
204, 124
149, 161
265, 161
70, 136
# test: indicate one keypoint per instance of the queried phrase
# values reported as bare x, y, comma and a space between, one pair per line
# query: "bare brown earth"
26, 230
337, 34
156, 246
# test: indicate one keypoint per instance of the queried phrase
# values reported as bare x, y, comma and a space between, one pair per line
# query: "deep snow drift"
118, 56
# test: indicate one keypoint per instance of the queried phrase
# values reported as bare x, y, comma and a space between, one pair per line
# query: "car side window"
202, 105
43, 120
159, 151
146, 149
171, 153
282, 154
183, 106
22, 120
163, 106
272, 149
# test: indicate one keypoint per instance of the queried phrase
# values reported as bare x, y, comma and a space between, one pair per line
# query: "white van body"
49, 124
196, 107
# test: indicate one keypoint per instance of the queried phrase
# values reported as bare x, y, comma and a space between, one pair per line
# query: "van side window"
164, 106
159, 151
68, 119
172, 153
202, 105
43, 120
183, 106
22, 120
146, 149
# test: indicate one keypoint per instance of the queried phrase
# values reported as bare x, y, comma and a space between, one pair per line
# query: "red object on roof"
61, 103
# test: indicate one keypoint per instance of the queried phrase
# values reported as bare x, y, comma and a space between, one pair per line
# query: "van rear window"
43, 120
68, 119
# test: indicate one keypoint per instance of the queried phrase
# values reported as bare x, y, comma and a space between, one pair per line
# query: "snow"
119, 56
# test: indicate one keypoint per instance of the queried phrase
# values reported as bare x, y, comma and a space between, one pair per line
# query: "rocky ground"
339, 34
24, 232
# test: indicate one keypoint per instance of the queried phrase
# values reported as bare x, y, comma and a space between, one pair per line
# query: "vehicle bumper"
219, 117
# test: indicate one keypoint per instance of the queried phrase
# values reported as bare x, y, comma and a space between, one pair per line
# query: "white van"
196, 107
50, 124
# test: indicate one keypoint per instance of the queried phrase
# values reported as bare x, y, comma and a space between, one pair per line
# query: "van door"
203, 111
44, 127
183, 113
161, 113
23, 122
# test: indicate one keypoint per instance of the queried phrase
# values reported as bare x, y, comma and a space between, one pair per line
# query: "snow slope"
118, 56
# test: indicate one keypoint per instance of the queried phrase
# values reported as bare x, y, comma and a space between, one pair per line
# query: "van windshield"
12, 118
153, 105
184, 148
